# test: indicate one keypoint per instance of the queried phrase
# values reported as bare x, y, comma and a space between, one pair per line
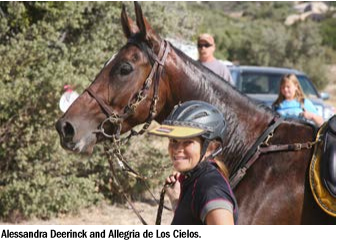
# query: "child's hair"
299, 95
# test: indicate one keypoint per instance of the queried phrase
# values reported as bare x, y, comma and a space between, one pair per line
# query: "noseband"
116, 119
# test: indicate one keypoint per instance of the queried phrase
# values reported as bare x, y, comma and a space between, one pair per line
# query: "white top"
67, 99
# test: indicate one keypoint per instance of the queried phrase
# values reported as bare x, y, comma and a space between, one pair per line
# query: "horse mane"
215, 78
211, 88
210, 81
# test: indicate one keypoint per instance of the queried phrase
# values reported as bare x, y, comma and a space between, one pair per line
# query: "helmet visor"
177, 131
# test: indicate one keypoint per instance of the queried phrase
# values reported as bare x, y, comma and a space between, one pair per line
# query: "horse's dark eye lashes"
125, 68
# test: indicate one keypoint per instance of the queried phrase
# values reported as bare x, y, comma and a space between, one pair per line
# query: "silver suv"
262, 84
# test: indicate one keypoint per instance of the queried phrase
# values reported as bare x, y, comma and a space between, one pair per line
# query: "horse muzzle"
69, 140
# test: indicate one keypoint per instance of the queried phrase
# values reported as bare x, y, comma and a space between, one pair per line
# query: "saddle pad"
323, 198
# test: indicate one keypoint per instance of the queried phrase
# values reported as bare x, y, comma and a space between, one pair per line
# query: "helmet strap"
202, 154
211, 156
204, 149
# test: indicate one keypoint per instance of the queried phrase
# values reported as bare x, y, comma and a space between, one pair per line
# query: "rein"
114, 155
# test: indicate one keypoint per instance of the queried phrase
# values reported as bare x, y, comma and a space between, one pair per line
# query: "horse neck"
189, 80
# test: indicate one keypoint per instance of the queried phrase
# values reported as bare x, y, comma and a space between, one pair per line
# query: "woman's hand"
173, 189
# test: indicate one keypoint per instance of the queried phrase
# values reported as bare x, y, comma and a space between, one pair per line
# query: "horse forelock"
144, 46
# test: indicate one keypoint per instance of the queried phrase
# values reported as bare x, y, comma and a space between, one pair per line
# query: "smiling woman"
196, 131
185, 153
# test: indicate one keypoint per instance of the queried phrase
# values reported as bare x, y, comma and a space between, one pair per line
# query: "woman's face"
288, 90
185, 153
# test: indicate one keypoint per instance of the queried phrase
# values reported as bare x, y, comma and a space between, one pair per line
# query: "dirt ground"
107, 214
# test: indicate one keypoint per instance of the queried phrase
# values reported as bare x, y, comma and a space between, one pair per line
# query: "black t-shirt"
202, 190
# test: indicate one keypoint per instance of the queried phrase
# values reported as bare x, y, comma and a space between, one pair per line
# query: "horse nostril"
68, 130
65, 129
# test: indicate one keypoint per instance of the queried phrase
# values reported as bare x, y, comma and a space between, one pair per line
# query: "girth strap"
253, 150
263, 150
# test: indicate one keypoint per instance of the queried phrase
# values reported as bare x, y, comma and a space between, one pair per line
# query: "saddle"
328, 162
322, 173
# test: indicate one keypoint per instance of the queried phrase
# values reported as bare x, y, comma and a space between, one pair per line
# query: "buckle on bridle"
147, 83
266, 142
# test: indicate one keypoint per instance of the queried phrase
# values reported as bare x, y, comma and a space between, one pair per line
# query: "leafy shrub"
149, 158
44, 196
328, 31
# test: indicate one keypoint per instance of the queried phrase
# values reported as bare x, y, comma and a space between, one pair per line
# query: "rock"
291, 19
316, 7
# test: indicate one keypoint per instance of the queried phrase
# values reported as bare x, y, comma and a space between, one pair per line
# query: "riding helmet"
191, 119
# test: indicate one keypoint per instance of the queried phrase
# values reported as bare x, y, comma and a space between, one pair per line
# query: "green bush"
147, 156
43, 196
328, 31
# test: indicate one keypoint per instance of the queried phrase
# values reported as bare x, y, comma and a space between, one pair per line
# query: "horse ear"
129, 28
140, 19
145, 29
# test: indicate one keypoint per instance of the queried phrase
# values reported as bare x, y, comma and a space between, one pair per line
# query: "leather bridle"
117, 119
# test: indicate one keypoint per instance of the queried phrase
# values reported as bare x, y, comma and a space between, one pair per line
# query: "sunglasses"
204, 45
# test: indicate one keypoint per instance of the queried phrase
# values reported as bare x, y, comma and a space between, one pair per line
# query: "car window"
235, 76
259, 83
307, 87
269, 83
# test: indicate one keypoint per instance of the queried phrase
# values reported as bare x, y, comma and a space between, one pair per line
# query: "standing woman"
199, 191
292, 103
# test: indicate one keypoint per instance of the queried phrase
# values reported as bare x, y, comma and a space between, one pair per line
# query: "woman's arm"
220, 217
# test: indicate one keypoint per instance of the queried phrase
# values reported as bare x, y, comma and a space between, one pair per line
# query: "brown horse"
148, 77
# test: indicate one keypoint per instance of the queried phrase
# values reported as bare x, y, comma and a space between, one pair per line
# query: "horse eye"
125, 69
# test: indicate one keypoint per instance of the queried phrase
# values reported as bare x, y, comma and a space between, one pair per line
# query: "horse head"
124, 93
